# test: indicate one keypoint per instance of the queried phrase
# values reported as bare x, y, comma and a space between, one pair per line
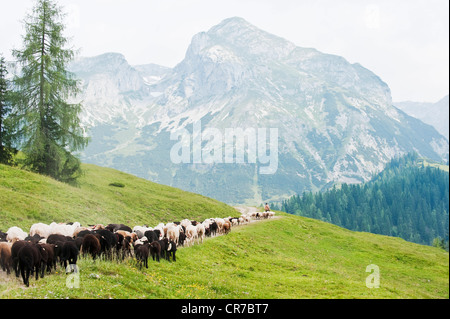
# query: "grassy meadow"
288, 257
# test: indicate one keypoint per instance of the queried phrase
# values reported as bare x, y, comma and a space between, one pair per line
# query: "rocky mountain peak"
335, 120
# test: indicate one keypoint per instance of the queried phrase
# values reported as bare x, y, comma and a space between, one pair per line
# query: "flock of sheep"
39, 251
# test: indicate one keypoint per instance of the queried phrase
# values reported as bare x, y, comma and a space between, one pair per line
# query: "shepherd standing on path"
267, 208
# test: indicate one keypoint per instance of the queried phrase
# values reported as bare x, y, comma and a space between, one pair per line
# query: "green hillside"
285, 257
27, 198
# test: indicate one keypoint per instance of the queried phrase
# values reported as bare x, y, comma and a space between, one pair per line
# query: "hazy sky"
404, 42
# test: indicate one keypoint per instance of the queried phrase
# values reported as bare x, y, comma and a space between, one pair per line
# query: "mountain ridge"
335, 120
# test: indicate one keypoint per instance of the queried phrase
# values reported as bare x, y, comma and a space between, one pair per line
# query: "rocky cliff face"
335, 121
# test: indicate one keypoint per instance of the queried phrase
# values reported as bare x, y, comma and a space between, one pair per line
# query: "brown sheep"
226, 227
5, 256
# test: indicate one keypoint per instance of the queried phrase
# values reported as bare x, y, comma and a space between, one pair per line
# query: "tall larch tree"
49, 124
6, 134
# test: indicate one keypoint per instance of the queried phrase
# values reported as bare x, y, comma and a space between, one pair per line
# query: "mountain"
434, 114
302, 119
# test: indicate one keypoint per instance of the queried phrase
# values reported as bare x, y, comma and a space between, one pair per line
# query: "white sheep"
185, 223
173, 233
40, 229
220, 222
15, 233
63, 229
191, 234
160, 227
201, 232
140, 230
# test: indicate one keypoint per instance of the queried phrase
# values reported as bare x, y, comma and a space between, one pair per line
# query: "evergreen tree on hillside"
49, 125
6, 150
406, 200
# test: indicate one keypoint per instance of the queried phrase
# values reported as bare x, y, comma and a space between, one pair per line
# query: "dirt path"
246, 209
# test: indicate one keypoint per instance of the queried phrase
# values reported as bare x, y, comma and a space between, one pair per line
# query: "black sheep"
108, 242
91, 245
43, 253
114, 227
29, 260
51, 260
34, 239
142, 255
3, 236
15, 248
155, 250
171, 250
84, 233
151, 236
54, 238
213, 228
164, 246
69, 253
181, 239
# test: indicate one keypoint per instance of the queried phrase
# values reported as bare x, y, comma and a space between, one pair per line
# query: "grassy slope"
288, 257
27, 198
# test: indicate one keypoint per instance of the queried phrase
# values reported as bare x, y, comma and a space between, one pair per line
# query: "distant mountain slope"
27, 198
335, 120
435, 114
405, 200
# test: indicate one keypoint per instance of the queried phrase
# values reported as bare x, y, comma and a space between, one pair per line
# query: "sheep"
200, 232
3, 236
69, 253
114, 227
140, 230
155, 250
29, 261
55, 238
44, 256
5, 256
159, 230
142, 255
226, 227
219, 222
164, 243
140, 242
126, 247
91, 245
82, 230
51, 260
191, 234
185, 223
173, 233
63, 229
15, 233
234, 221
34, 239
40, 229
171, 250
108, 241
213, 227
15, 248
124, 233
152, 235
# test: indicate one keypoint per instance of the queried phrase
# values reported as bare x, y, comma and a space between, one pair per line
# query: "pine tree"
49, 125
6, 150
